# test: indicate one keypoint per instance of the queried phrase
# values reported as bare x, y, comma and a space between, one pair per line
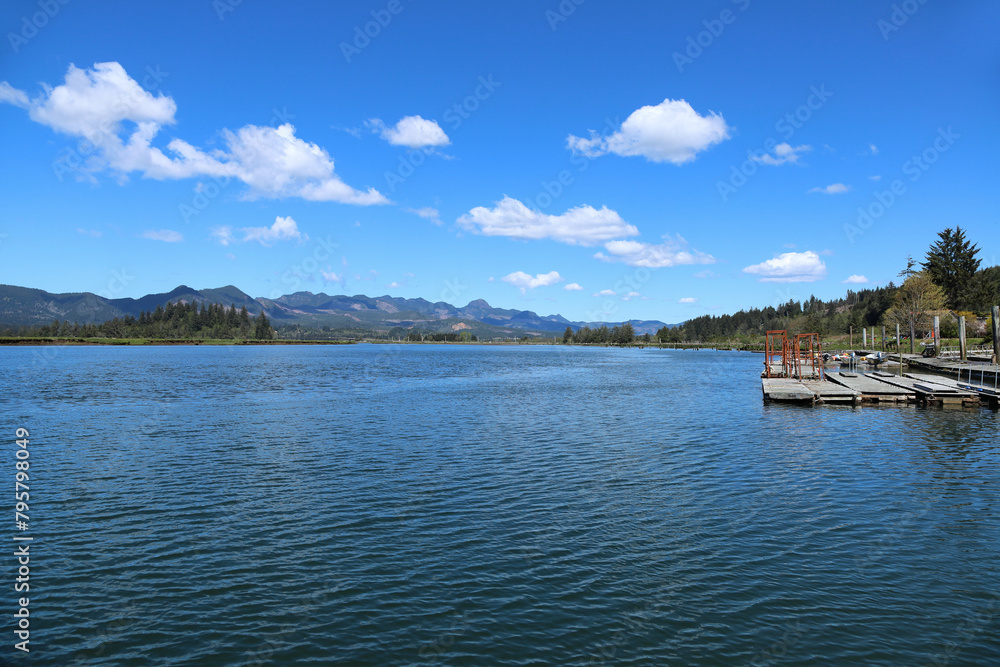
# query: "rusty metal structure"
775, 347
807, 356
800, 357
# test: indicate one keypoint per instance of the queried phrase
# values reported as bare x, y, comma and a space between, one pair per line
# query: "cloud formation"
165, 235
855, 280
283, 229
583, 225
783, 154
672, 252
120, 119
573, 287
790, 267
687, 299
526, 282
834, 189
427, 213
411, 131
671, 131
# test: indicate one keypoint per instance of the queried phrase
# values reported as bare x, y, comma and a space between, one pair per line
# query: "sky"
602, 161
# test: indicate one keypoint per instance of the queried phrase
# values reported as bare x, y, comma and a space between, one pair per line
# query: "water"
459, 505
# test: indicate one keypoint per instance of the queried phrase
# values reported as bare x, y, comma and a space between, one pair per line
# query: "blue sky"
652, 160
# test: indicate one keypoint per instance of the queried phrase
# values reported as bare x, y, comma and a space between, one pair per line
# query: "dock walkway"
929, 391
872, 390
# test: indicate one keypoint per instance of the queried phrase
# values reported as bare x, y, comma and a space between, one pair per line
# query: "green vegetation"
948, 284
617, 335
175, 321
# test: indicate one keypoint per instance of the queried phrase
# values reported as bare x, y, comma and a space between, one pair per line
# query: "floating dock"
877, 387
872, 390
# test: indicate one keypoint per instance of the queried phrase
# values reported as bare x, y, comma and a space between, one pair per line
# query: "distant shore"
163, 341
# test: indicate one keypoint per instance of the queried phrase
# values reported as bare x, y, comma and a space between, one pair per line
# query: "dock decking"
872, 390
807, 391
877, 387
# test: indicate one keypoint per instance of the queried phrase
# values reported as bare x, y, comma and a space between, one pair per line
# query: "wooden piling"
883, 338
937, 332
962, 351
995, 312
899, 349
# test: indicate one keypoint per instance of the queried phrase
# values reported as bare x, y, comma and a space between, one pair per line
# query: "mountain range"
21, 306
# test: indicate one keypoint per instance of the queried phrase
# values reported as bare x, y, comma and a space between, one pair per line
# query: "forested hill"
948, 283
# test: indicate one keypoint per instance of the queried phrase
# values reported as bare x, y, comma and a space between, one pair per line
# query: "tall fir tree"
951, 263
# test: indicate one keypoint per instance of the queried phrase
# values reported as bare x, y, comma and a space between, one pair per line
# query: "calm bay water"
394, 505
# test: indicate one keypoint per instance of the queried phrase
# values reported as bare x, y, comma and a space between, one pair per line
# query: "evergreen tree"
568, 335
263, 330
951, 263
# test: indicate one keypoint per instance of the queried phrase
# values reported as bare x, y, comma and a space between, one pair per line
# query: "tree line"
949, 282
174, 321
623, 334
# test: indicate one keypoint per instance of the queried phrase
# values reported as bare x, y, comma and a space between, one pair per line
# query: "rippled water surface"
466, 505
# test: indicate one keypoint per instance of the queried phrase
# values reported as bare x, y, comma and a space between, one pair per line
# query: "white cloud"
873, 148
114, 113
632, 295
605, 292
687, 299
11, 95
411, 131
855, 280
331, 277
833, 189
95, 233
166, 235
706, 274
224, 234
876, 177
583, 225
527, 282
394, 285
790, 267
672, 252
283, 229
671, 131
427, 213
783, 153
573, 287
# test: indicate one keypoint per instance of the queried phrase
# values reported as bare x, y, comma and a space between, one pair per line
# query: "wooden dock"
871, 390
930, 391
807, 391
877, 387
